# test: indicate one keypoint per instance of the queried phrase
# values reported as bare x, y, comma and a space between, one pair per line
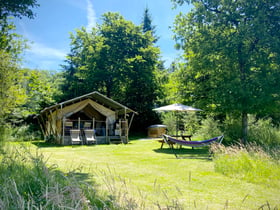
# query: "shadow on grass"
187, 153
45, 144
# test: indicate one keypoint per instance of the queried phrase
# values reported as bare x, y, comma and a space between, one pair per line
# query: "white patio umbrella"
176, 108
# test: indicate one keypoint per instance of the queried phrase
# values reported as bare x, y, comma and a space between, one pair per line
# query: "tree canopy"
116, 58
232, 55
11, 91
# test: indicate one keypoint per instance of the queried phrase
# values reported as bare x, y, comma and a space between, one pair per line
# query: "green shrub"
187, 122
251, 164
169, 119
209, 128
25, 132
232, 129
264, 133
191, 121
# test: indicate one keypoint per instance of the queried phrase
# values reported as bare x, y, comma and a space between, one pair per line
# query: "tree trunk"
244, 127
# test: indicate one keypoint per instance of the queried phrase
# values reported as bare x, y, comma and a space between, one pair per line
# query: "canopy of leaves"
233, 55
116, 58
17, 8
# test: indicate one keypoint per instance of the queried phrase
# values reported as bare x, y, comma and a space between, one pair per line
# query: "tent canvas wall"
107, 117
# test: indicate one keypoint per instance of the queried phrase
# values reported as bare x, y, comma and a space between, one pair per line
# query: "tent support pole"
63, 130
79, 123
107, 127
131, 121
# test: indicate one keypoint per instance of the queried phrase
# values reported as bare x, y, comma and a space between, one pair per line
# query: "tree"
232, 50
147, 24
11, 93
40, 87
116, 58
8, 9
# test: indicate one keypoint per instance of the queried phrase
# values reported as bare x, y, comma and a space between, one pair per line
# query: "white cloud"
91, 17
45, 51
40, 56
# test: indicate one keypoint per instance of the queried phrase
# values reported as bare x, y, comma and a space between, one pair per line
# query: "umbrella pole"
177, 119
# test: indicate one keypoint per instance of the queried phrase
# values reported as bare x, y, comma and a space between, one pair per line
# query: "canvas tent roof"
96, 97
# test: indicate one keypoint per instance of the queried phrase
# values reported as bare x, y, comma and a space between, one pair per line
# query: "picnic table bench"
172, 143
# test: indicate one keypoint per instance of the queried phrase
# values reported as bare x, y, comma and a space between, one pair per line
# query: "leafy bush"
209, 128
264, 133
191, 121
187, 122
249, 163
25, 132
169, 119
232, 129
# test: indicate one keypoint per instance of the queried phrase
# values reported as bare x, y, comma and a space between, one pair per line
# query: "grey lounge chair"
90, 136
75, 137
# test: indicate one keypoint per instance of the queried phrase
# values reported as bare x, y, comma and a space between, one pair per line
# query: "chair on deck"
90, 137
75, 137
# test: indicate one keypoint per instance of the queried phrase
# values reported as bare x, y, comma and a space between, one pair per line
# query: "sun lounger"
75, 137
90, 136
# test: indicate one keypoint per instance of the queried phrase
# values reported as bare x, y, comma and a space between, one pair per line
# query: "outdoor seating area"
93, 131
171, 141
89, 119
80, 136
183, 137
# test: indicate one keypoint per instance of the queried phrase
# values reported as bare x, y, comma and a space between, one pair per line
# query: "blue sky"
48, 33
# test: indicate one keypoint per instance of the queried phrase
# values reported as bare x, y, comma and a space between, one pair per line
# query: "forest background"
229, 68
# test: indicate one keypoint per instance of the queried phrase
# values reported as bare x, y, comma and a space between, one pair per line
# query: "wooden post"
126, 127
79, 123
107, 127
63, 130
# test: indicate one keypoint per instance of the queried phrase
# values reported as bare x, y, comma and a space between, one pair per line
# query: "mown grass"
140, 175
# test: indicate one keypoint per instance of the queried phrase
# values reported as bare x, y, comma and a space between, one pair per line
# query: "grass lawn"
154, 178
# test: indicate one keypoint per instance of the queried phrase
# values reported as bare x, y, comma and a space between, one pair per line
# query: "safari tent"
109, 119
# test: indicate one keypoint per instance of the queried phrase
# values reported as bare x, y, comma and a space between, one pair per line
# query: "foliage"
41, 88
264, 133
171, 86
13, 8
191, 122
23, 132
35, 90
11, 93
232, 129
188, 123
209, 128
169, 119
17, 8
231, 54
261, 131
117, 59
147, 24
249, 163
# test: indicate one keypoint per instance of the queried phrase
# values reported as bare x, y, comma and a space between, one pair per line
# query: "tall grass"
27, 183
249, 163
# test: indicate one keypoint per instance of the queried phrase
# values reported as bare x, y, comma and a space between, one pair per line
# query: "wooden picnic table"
172, 143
